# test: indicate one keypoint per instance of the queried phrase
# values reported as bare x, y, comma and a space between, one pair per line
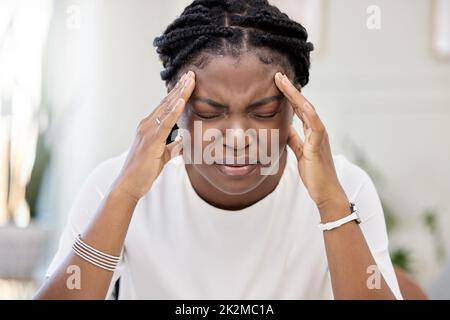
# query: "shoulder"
106, 171
94, 189
351, 176
359, 188
170, 181
346, 169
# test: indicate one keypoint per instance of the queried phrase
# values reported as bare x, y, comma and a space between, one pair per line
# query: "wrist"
334, 209
121, 193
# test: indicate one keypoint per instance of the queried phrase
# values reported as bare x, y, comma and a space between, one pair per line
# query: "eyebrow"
253, 105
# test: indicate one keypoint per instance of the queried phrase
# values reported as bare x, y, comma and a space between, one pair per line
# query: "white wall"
383, 90
102, 78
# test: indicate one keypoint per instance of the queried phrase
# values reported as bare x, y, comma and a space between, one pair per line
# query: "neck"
225, 201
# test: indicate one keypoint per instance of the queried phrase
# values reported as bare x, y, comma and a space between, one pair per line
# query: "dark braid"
228, 26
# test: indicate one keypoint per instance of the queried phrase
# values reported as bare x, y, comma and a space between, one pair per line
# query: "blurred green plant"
431, 220
401, 257
40, 166
43, 155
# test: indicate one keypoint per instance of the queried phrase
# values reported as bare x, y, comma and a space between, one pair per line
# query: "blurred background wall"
383, 94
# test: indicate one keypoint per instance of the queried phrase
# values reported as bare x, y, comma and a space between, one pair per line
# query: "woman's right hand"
149, 152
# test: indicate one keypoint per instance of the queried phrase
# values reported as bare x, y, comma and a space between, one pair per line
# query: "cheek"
281, 126
189, 123
183, 121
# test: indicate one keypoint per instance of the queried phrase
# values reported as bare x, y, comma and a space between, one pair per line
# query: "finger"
167, 105
168, 98
296, 100
175, 88
295, 142
295, 106
184, 93
302, 107
189, 86
166, 124
312, 118
173, 149
314, 123
305, 125
304, 122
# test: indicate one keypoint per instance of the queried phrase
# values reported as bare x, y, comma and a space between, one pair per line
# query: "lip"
236, 170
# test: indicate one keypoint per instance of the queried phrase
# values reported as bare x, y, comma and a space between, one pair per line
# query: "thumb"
174, 149
295, 143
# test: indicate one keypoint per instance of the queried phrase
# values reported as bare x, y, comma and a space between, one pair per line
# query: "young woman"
172, 228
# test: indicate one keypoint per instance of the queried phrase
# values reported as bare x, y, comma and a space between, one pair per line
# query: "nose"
238, 136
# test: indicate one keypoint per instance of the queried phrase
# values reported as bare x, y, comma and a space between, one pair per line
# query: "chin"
233, 184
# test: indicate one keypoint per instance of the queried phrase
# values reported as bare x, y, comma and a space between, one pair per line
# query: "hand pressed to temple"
348, 253
315, 160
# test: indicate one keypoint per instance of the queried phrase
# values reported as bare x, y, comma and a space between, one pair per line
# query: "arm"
348, 253
108, 228
349, 257
112, 218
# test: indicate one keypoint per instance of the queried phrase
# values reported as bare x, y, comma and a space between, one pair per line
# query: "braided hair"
229, 27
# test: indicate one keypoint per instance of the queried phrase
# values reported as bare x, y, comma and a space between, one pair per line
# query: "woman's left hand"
315, 160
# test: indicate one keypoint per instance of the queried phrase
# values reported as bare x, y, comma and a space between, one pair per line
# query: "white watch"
335, 224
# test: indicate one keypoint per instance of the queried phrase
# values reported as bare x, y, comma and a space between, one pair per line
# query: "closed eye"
263, 109
265, 115
266, 112
206, 115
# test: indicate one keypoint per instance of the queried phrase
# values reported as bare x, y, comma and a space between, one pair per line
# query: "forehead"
245, 77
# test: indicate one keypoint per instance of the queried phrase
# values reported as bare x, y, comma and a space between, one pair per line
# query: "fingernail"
286, 80
181, 80
190, 74
189, 80
186, 84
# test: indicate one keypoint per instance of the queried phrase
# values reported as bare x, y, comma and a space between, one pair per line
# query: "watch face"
353, 210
